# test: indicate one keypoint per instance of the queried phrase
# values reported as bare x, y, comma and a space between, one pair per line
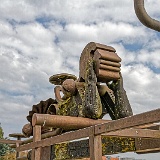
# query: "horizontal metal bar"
65, 122
21, 158
145, 133
150, 126
69, 136
153, 150
43, 136
147, 145
129, 122
17, 135
5, 141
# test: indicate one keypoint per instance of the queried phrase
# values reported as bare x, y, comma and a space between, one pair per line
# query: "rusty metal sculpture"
98, 90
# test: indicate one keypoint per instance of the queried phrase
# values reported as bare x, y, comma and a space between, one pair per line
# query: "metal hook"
144, 18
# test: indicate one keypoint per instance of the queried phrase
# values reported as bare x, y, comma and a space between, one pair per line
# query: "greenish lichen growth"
61, 151
92, 102
63, 107
80, 149
111, 145
81, 92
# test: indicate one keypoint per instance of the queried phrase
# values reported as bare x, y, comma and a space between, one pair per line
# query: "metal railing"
126, 127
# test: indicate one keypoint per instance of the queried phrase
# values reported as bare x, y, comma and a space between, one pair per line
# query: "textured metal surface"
36, 152
88, 53
110, 145
43, 136
80, 149
92, 107
58, 79
27, 130
43, 107
9, 141
17, 135
129, 122
135, 132
147, 145
122, 105
95, 146
106, 71
68, 136
106, 61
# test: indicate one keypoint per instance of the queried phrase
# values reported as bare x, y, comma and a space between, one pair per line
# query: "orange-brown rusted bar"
110, 68
107, 55
65, 122
6, 141
36, 152
109, 63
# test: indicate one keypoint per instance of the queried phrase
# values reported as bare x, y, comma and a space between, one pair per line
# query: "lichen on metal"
61, 151
80, 149
98, 91
112, 145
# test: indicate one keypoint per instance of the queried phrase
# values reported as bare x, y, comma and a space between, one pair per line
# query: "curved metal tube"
144, 18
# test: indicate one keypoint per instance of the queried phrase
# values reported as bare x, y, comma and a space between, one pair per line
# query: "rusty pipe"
65, 122
144, 18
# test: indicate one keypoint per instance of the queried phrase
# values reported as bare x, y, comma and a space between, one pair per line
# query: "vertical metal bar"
17, 153
36, 153
95, 146
17, 145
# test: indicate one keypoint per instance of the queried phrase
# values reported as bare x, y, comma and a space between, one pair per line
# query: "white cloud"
17, 10
141, 84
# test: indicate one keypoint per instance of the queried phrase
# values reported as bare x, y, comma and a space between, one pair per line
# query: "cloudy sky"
40, 38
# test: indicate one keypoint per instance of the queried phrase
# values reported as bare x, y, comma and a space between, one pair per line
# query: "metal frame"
127, 127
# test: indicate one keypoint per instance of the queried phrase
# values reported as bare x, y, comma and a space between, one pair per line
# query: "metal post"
95, 145
17, 153
36, 153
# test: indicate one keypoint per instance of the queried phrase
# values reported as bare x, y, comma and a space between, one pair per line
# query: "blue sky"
40, 38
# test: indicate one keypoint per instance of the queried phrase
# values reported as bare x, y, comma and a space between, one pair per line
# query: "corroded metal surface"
92, 107
112, 144
107, 65
27, 130
17, 135
43, 107
58, 79
147, 145
84, 97
87, 97
122, 106
65, 122
88, 54
80, 149
129, 122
